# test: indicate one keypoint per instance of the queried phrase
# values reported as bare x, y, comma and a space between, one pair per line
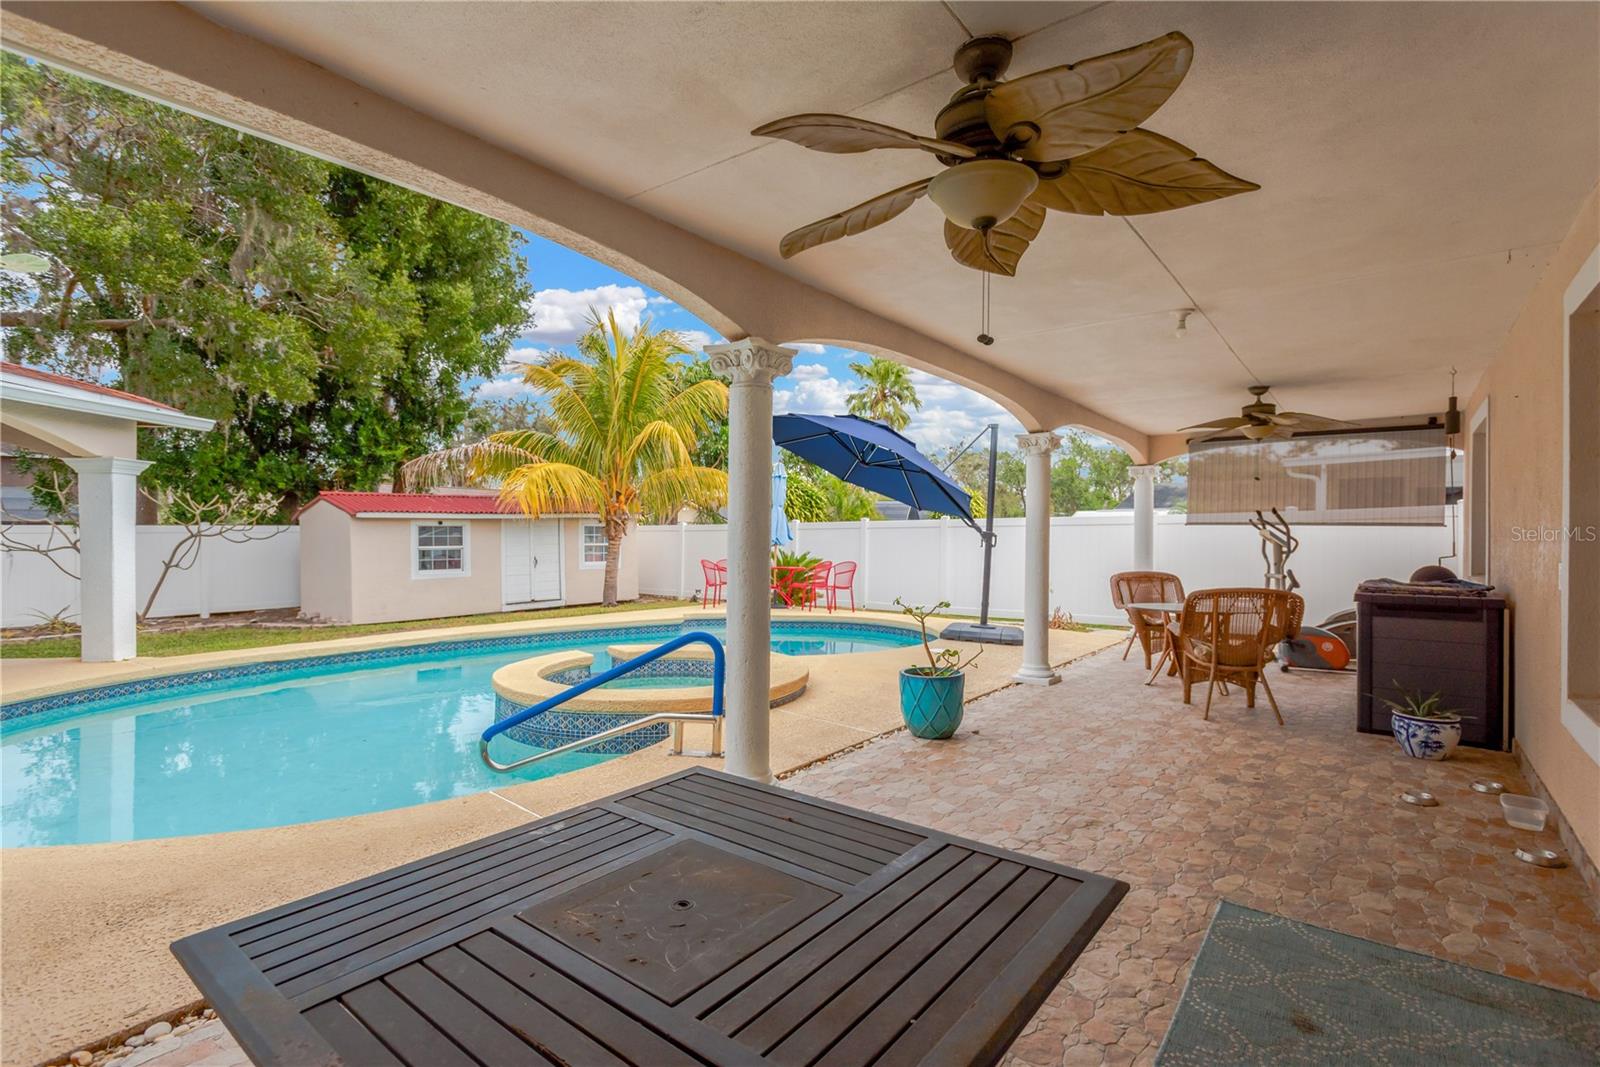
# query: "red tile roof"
36, 374
417, 503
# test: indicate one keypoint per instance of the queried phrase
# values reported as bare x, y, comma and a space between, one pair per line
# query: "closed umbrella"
782, 532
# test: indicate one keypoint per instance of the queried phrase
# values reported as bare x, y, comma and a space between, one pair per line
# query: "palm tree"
622, 425
885, 392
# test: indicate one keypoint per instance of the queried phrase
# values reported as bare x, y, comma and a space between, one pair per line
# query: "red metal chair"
716, 581
817, 584
842, 579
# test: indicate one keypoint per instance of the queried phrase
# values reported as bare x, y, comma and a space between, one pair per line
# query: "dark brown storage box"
1453, 644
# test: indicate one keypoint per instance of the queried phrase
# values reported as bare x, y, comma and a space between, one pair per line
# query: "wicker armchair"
1229, 635
1145, 587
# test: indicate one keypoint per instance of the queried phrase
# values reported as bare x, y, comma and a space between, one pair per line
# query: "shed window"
594, 544
441, 549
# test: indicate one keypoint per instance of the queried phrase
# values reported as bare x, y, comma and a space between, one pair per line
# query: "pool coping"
81, 684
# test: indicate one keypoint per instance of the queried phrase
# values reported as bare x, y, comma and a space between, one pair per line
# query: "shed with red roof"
388, 557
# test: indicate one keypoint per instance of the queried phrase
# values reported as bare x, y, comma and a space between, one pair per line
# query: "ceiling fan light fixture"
983, 192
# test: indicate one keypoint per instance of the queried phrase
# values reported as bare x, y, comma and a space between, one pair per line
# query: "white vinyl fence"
925, 562
226, 577
922, 562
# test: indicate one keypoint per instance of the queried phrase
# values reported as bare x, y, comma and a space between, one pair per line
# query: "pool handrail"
719, 671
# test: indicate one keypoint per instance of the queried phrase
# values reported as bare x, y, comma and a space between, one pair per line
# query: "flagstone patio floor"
1104, 773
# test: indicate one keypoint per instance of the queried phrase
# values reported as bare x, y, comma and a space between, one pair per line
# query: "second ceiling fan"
1063, 139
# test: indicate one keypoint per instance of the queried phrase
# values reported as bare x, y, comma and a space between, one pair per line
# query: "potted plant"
1424, 728
931, 697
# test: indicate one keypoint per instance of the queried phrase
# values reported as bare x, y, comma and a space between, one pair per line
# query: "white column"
1144, 517
1037, 449
751, 364
107, 496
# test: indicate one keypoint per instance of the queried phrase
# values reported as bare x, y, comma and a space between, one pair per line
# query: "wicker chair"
1145, 587
1230, 635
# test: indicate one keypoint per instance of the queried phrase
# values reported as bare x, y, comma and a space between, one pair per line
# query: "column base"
1036, 676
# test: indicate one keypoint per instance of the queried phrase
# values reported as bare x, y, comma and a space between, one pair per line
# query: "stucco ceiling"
1418, 165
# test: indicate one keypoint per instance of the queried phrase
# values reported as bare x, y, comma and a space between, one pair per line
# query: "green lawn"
223, 638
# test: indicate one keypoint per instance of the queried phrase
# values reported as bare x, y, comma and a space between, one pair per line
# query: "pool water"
254, 752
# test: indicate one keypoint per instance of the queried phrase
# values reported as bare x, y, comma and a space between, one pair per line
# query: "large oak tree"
327, 320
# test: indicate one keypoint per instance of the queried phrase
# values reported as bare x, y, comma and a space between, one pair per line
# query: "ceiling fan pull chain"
983, 315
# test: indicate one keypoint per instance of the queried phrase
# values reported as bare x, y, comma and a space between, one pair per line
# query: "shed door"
530, 570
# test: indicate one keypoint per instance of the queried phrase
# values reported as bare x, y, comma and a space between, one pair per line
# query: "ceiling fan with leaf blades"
1260, 419
1063, 139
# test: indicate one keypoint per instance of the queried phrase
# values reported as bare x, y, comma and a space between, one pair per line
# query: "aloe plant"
1419, 706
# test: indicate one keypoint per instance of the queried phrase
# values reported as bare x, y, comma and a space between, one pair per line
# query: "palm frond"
657, 446
695, 409
464, 465
666, 491
553, 488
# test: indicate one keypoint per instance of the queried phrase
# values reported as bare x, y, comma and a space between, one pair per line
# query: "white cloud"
808, 347
560, 316
503, 387
695, 340
658, 301
810, 388
952, 415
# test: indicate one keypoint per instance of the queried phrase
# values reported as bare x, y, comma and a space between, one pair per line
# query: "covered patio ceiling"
1418, 164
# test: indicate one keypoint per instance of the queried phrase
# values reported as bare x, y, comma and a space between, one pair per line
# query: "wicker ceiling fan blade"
1309, 421
999, 248
1137, 174
1209, 434
1219, 425
1066, 111
845, 133
862, 217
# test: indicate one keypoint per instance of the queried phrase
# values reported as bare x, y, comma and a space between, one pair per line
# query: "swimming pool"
271, 744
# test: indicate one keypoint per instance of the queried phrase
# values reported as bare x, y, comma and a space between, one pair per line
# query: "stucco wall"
359, 570
585, 585
325, 563
1523, 387
384, 589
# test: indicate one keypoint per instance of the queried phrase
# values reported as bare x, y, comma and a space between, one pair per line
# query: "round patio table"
787, 579
1168, 610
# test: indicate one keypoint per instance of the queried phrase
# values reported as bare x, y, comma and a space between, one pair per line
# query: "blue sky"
567, 284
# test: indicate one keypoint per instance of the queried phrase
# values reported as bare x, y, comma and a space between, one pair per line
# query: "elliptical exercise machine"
1321, 648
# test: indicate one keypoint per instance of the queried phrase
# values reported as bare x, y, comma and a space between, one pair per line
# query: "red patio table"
786, 580
701, 918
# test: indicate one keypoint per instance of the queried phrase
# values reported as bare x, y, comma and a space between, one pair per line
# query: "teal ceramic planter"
931, 706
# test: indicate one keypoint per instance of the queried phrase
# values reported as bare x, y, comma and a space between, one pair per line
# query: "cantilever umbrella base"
698, 919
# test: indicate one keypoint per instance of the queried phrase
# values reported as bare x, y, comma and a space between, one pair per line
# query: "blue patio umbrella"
782, 532
869, 454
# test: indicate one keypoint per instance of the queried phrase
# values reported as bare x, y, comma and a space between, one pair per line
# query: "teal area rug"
1271, 991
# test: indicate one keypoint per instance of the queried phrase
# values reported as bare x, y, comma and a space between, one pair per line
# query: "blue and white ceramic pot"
931, 704
1425, 738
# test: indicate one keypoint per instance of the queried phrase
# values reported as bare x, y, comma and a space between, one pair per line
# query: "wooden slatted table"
700, 919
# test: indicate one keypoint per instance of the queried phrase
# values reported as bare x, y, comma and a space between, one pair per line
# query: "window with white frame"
439, 550
593, 545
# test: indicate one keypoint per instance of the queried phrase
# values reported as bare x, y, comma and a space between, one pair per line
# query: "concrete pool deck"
86, 927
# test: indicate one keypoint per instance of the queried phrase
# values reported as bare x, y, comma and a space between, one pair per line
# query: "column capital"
751, 360
107, 465
1148, 470
1038, 444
